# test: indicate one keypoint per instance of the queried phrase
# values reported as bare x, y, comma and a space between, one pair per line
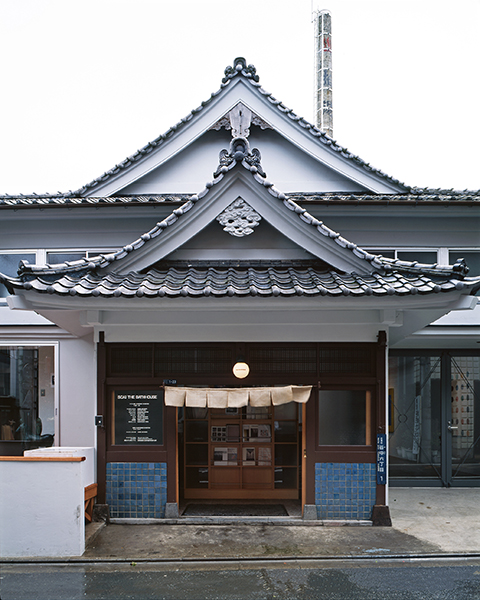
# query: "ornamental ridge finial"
239, 152
240, 68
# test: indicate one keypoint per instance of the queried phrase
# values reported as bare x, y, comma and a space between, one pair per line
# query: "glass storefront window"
414, 416
27, 395
434, 405
465, 422
344, 418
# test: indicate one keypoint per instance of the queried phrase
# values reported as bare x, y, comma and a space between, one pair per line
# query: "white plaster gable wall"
195, 126
186, 172
213, 243
292, 170
238, 182
286, 165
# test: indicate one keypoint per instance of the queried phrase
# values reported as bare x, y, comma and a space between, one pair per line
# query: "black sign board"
139, 417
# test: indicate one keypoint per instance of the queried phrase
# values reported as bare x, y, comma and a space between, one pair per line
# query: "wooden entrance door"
245, 453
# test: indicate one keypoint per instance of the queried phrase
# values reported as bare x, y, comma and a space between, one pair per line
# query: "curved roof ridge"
240, 68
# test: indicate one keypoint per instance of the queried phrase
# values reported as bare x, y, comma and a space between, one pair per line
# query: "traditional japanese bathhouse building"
216, 314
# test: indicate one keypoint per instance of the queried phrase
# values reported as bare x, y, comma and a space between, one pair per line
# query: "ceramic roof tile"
176, 281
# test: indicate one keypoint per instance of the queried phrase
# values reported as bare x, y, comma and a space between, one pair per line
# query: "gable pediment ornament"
238, 120
239, 218
240, 151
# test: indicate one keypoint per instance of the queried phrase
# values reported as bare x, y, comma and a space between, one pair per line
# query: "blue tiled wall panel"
137, 490
345, 490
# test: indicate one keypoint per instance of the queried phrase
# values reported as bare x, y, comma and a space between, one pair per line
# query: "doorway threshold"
243, 521
256, 509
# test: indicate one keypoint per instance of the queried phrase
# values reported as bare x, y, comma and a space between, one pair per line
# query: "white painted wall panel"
77, 380
41, 509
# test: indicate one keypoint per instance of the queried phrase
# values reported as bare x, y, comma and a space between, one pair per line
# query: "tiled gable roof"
248, 72
87, 277
241, 156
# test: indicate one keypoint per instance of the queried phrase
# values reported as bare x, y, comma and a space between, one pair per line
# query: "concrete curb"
245, 559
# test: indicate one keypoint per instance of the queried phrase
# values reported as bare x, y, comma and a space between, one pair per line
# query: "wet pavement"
288, 580
426, 521
191, 542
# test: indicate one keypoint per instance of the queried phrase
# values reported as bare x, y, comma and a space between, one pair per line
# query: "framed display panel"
243, 453
138, 417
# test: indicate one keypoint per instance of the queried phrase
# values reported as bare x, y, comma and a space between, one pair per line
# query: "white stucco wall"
89, 465
41, 508
77, 381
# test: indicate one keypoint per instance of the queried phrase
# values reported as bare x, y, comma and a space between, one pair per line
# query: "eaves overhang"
63, 296
301, 315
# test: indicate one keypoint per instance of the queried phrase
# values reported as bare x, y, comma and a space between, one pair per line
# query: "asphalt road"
313, 580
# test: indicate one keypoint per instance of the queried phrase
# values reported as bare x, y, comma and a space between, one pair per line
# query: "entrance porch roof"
177, 280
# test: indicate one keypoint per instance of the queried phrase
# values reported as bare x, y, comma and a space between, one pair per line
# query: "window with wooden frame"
345, 417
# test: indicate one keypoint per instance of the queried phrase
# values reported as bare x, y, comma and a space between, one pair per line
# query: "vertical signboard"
138, 417
381, 459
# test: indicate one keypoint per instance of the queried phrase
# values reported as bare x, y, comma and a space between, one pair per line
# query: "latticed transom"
264, 359
197, 360
283, 359
130, 360
346, 360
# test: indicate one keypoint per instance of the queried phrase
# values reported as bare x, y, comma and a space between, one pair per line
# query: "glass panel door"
464, 424
415, 417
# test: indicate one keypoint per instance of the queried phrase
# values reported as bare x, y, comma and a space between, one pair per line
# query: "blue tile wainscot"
345, 490
137, 490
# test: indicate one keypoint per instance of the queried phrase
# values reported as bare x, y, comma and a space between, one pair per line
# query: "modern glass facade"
434, 418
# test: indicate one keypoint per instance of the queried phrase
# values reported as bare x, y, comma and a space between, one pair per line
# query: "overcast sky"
86, 83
